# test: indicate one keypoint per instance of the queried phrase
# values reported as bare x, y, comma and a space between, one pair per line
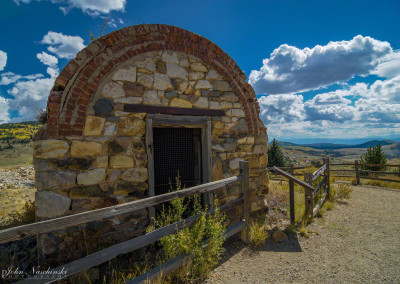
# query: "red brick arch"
78, 81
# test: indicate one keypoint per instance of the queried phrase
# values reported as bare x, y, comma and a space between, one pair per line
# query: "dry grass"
257, 233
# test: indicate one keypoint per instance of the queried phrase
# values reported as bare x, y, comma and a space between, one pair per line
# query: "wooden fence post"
328, 178
291, 196
309, 198
357, 172
244, 189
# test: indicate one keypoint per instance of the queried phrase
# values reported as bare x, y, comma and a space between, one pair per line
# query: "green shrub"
257, 233
374, 155
25, 216
203, 240
343, 191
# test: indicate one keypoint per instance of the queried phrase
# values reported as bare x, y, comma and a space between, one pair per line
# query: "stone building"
133, 110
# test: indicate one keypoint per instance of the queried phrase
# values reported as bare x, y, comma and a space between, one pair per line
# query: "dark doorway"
176, 151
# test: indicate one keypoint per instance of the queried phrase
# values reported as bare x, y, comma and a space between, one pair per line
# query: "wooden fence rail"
142, 241
358, 171
310, 192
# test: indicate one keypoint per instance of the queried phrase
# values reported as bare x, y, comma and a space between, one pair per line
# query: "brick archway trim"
79, 80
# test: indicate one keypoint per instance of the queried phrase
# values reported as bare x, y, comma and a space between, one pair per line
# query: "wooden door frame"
166, 120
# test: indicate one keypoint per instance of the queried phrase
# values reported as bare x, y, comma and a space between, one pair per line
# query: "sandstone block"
127, 73
203, 84
194, 76
112, 90
135, 175
260, 149
246, 140
202, 102
51, 148
133, 89
123, 187
121, 162
130, 126
263, 160
129, 100
42, 165
221, 85
50, 204
230, 97
109, 129
168, 56
180, 103
162, 82
197, 66
89, 191
212, 74
101, 162
44, 180
92, 177
176, 71
94, 125
151, 97
145, 80
234, 163
83, 148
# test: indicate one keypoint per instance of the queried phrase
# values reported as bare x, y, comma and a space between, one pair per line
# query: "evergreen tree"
275, 155
374, 155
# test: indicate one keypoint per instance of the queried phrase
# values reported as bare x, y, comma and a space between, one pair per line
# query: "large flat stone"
162, 82
135, 175
180, 103
145, 80
112, 90
121, 162
91, 177
94, 125
50, 204
51, 148
83, 148
151, 97
203, 84
127, 73
176, 71
130, 126
44, 180
221, 85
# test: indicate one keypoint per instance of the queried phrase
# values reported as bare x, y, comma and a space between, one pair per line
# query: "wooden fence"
109, 253
360, 173
314, 197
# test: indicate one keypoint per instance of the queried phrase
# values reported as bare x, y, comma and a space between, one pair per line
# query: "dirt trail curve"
357, 242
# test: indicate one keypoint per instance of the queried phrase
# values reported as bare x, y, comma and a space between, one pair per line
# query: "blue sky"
321, 69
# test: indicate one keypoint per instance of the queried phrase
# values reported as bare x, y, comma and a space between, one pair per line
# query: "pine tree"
275, 155
374, 155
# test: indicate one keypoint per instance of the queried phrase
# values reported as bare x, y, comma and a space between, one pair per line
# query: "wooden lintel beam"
173, 110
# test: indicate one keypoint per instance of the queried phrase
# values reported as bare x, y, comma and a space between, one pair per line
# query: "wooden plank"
322, 182
379, 172
380, 179
318, 172
308, 196
320, 203
150, 164
16, 233
128, 246
296, 180
177, 262
207, 160
342, 170
378, 165
328, 175
291, 197
244, 189
173, 110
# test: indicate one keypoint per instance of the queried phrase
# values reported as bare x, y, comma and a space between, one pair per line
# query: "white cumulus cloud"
64, 46
4, 110
91, 7
3, 60
290, 69
47, 59
8, 78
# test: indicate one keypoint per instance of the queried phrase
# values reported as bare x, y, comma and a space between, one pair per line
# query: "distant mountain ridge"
333, 146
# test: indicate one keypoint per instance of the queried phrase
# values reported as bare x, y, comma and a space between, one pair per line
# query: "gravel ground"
357, 242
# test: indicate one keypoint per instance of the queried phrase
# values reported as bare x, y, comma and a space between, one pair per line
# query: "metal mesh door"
176, 151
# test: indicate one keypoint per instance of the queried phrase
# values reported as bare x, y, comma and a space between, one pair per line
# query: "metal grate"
176, 151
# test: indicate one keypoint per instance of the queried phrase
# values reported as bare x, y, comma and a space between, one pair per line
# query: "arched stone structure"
94, 151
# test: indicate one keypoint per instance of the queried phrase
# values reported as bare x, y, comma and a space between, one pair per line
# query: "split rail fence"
109, 253
360, 173
314, 197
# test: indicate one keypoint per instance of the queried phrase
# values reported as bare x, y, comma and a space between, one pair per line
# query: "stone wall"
104, 161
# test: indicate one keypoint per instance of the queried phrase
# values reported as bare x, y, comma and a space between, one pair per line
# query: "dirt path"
357, 242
